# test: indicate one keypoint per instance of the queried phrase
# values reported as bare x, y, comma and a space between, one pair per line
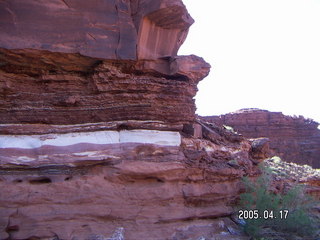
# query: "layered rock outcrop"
97, 126
154, 184
294, 139
54, 88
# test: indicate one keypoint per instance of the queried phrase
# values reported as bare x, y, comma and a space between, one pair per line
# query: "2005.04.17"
266, 214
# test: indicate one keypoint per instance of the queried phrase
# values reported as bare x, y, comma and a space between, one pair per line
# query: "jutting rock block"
112, 29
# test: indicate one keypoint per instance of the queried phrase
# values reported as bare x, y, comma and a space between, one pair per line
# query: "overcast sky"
264, 54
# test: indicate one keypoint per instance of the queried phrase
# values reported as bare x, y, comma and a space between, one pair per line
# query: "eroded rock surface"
112, 29
98, 135
151, 183
42, 87
294, 139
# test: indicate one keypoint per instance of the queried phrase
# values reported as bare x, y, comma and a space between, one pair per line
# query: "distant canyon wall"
294, 139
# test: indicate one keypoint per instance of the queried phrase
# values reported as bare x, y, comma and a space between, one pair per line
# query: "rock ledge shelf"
99, 145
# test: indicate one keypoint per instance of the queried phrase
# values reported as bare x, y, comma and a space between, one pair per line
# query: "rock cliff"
294, 139
98, 135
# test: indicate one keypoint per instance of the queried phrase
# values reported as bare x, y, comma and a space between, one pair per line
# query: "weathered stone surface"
149, 191
54, 67
260, 148
93, 28
162, 27
73, 149
56, 88
110, 29
294, 139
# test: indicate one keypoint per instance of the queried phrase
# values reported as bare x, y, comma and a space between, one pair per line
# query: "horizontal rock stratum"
71, 148
39, 86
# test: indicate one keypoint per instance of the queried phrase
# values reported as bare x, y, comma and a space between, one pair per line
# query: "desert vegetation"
268, 211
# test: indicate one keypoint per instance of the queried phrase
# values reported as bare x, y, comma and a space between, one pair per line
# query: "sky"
264, 54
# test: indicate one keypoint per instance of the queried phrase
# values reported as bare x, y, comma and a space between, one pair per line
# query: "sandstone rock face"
295, 139
110, 29
151, 183
98, 136
42, 87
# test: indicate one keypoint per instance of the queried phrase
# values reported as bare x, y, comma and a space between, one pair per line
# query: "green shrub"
284, 213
